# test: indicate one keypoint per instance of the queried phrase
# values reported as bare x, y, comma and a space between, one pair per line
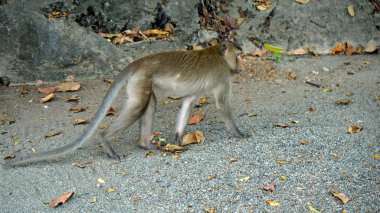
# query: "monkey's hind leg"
131, 112
146, 123
183, 118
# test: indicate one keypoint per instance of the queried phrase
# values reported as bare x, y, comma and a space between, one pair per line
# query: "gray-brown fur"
187, 74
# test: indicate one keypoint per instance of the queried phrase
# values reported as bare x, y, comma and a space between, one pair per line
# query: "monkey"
186, 74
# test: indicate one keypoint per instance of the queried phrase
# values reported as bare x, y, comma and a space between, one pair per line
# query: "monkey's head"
232, 54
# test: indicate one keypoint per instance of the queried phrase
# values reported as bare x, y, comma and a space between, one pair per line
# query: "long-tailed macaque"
187, 74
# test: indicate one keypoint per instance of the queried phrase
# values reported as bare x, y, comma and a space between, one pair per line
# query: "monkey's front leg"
146, 123
183, 118
222, 97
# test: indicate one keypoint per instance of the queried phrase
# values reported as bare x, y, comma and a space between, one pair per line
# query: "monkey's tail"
100, 114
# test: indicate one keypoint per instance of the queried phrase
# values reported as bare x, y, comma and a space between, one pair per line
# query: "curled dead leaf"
337, 49
244, 179
351, 10
272, 203
149, 153
83, 164
354, 129
81, 121
176, 156
108, 81
61, 199
343, 102
195, 118
73, 98
8, 157
210, 177
341, 196
210, 209
300, 51
281, 162
270, 187
172, 148
47, 90
53, 133
281, 125
302, 1
193, 138
109, 190
76, 110
68, 86
47, 98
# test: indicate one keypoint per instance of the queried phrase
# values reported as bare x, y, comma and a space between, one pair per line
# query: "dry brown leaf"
47, 98
108, 81
244, 179
302, 1
272, 203
210, 210
68, 86
47, 90
341, 196
343, 102
270, 187
174, 97
234, 160
300, 51
76, 110
281, 162
172, 148
81, 121
193, 138
349, 49
149, 153
53, 133
351, 10
156, 32
281, 125
109, 190
61, 199
73, 98
176, 156
304, 142
202, 101
83, 164
339, 48
354, 129
8, 157
210, 177
195, 118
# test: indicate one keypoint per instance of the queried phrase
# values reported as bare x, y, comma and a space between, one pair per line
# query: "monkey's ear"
223, 49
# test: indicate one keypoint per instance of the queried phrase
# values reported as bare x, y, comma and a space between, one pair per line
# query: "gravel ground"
331, 159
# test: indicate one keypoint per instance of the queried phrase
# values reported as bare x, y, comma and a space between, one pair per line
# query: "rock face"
34, 47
